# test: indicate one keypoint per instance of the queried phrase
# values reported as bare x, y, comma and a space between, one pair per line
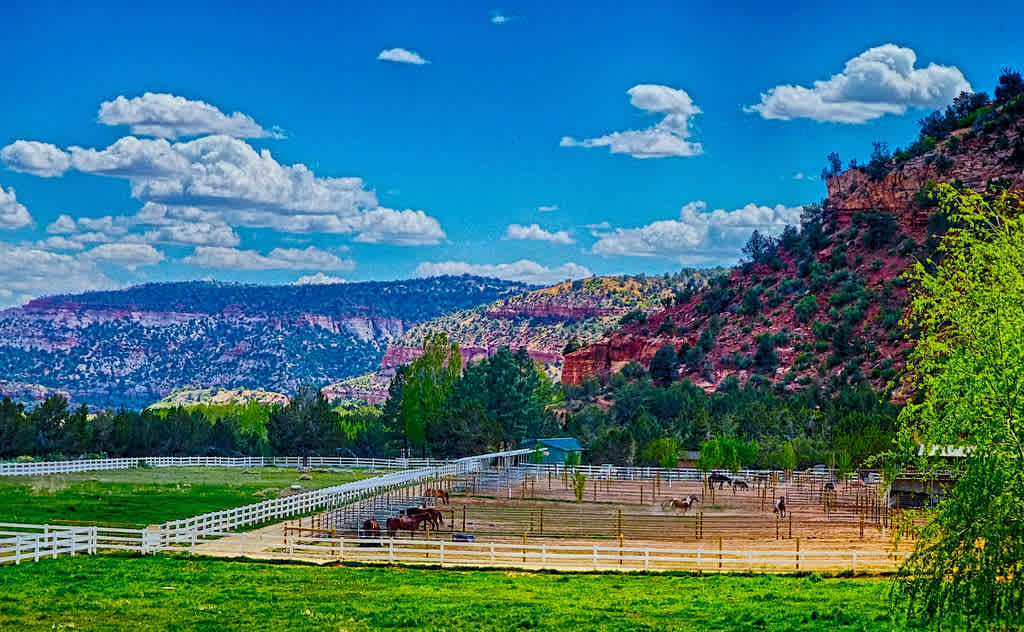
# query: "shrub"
805, 308
751, 301
944, 163
635, 316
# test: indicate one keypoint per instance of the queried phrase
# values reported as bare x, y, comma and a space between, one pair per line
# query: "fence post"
595, 556
790, 525
798, 554
541, 521
855, 561
719, 552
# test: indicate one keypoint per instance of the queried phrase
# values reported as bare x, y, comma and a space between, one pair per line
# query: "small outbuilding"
559, 448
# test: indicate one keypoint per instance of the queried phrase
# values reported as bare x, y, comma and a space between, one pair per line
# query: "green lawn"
144, 496
169, 593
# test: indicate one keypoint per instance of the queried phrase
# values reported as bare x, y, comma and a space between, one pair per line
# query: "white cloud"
403, 228
547, 208
318, 279
697, 236
669, 137
879, 81
59, 242
63, 225
169, 116
535, 233
126, 255
13, 213
224, 181
497, 17
192, 234
311, 258
523, 270
799, 175
131, 157
401, 56
41, 159
29, 272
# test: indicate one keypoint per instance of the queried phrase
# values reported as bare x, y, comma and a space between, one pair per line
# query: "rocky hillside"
823, 303
544, 321
134, 346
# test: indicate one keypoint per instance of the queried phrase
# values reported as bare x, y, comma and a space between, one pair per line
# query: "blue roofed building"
559, 448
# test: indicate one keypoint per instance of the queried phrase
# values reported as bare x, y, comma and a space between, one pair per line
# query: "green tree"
969, 370
429, 380
665, 366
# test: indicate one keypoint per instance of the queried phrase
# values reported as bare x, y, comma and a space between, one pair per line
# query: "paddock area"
529, 517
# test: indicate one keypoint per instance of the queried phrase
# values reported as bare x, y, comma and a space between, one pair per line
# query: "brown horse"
404, 523
371, 528
437, 493
433, 516
685, 504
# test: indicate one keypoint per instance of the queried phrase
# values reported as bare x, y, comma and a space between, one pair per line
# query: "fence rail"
537, 556
88, 465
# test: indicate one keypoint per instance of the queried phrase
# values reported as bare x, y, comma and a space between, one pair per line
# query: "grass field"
168, 593
144, 496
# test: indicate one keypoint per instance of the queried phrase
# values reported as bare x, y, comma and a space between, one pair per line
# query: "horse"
858, 483
739, 484
371, 528
404, 523
437, 493
684, 504
780, 507
433, 516
721, 479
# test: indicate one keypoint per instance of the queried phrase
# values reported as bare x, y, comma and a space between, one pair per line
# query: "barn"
559, 448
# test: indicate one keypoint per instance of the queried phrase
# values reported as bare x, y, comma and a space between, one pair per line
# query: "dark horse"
739, 484
780, 507
404, 523
433, 516
371, 529
437, 493
721, 479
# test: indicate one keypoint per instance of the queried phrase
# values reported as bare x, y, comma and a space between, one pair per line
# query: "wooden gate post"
790, 525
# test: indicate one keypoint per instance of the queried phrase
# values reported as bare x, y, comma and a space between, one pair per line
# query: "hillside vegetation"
823, 302
132, 347
547, 322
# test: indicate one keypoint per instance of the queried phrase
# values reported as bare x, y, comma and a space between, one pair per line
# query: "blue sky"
638, 124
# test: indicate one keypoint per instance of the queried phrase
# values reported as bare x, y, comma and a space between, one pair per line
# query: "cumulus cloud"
523, 270
669, 137
318, 279
13, 213
882, 80
169, 116
698, 236
403, 228
498, 17
126, 255
402, 56
545, 208
222, 180
192, 234
41, 159
311, 258
28, 272
535, 233
60, 242
63, 225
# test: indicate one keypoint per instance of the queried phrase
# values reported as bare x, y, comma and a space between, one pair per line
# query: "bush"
805, 308
751, 301
635, 316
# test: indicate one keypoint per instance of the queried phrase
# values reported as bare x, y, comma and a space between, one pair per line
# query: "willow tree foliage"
429, 380
969, 367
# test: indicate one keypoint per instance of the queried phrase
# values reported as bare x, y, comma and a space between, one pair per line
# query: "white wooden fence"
22, 543
87, 465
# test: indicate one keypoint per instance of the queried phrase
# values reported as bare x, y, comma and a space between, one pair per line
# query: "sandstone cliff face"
134, 346
980, 161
